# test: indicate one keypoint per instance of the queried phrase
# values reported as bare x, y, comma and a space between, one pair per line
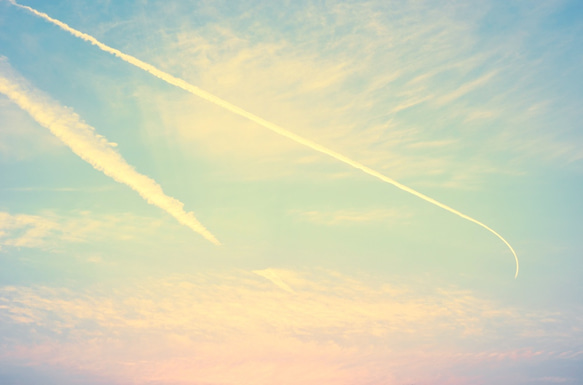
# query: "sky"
183, 202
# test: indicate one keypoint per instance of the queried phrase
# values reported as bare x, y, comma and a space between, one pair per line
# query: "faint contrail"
241, 112
271, 275
91, 147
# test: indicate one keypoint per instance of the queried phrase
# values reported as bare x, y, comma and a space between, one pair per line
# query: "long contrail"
91, 147
241, 112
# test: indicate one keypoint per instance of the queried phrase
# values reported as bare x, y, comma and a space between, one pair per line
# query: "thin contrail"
273, 277
91, 147
241, 112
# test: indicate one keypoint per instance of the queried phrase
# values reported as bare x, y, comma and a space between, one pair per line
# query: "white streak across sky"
262, 122
91, 147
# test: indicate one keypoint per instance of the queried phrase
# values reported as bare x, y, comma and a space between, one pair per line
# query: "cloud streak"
262, 122
91, 147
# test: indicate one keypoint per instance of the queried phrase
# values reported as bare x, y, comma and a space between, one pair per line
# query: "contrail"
91, 147
271, 126
273, 277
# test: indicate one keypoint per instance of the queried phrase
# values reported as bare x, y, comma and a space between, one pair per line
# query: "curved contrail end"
254, 118
82, 139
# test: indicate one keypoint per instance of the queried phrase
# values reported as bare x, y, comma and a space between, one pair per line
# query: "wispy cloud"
555, 380
340, 217
170, 79
376, 72
25, 230
91, 147
465, 89
52, 231
238, 328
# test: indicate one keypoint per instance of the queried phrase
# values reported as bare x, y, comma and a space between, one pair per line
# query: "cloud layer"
311, 327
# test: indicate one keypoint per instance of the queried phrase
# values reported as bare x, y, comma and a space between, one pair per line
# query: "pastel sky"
151, 237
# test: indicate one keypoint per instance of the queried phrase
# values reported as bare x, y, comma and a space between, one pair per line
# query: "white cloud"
237, 327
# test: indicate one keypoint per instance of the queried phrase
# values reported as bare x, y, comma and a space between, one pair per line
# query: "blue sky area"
324, 274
